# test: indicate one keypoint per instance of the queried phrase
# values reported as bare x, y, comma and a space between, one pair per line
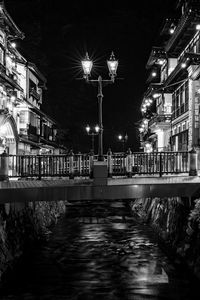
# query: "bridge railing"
119, 164
48, 165
160, 163
150, 163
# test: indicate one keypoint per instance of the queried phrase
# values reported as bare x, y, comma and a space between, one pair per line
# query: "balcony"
183, 32
34, 94
160, 122
10, 80
156, 54
178, 74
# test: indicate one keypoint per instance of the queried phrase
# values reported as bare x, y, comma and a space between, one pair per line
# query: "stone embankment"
177, 222
24, 224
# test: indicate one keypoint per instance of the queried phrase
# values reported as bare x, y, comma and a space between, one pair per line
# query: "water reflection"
98, 256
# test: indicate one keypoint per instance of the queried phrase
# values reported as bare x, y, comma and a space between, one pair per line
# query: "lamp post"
92, 132
123, 139
112, 64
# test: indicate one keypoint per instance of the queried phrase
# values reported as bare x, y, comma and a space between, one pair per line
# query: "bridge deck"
85, 189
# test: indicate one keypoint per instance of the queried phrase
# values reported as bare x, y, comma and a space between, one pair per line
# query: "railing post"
129, 163
91, 163
193, 162
110, 163
39, 167
4, 166
79, 163
71, 164
160, 164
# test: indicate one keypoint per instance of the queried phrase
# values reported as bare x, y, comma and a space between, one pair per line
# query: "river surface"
98, 252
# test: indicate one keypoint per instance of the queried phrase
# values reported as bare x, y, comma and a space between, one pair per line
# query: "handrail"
76, 165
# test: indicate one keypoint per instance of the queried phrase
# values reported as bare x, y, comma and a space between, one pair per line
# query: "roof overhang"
183, 32
156, 54
15, 32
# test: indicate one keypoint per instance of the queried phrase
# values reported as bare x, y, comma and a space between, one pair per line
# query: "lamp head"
87, 65
112, 66
119, 137
97, 128
87, 128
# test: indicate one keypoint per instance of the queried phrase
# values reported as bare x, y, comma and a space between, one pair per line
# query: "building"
24, 128
171, 104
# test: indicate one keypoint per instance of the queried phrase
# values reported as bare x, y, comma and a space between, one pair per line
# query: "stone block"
100, 173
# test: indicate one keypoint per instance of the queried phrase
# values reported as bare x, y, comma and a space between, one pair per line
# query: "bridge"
30, 178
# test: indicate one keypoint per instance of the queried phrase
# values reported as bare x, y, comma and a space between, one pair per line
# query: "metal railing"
119, 164
164, 119
160, 163
48, 165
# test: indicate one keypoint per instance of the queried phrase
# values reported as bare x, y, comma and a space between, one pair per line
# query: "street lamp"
112, 64
123, 139
92, 132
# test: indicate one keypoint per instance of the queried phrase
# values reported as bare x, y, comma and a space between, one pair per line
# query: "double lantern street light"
92, 132
112, 64
123, 140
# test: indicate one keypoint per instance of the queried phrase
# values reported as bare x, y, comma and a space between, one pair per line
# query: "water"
98, 252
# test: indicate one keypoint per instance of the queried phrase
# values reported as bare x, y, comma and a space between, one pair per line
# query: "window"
23, 117
180, 100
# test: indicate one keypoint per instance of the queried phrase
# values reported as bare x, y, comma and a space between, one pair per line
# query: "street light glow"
112, 65
97, 128
87, 65
198, 27
87, 128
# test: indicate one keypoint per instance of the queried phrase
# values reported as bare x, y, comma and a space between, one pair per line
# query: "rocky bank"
177, 222
23, 224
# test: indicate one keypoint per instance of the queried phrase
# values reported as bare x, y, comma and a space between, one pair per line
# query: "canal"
98, 251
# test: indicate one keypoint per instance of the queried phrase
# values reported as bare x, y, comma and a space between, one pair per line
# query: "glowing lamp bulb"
161, 61
198, 27
156, 95
87, 128
97, 128
13, 45
87, 65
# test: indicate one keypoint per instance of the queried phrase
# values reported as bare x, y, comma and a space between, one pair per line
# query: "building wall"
19, 98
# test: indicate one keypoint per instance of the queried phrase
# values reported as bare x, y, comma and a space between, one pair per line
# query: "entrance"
8, 135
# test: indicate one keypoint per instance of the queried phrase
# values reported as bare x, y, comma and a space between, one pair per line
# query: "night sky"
57, 37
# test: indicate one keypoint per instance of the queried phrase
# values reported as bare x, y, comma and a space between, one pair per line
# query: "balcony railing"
158, 119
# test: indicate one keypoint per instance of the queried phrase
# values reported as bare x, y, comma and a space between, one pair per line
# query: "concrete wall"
177, 223
23, 224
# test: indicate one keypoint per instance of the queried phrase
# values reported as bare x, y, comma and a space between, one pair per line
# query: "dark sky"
56, 39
